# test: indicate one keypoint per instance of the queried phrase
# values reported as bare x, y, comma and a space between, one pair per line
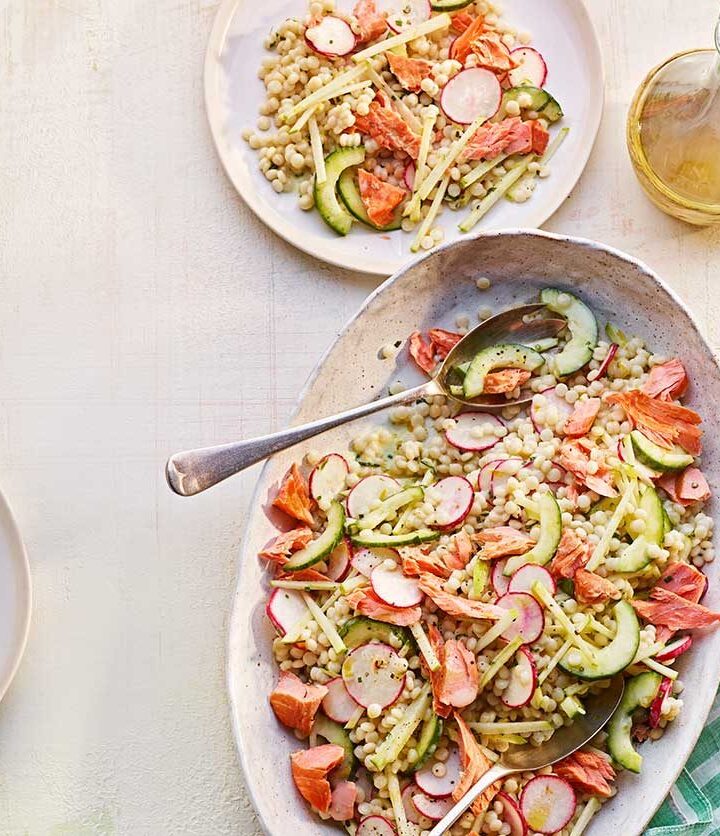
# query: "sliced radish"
472, 431
471, 93
285, 608
530, 621
337, 703
440, 787
327, 478
501, 474
499, 582
394, 588
331, 36
526, 576
547, 803
484, 480
339, 561
375, 826
455, 495
367, 560
612, 351
374, 674
523, 679
403, 14
369, 490
656, 705
675, 649
531, 67
552, 402
412, 813
512, 815
409, 175
432, 808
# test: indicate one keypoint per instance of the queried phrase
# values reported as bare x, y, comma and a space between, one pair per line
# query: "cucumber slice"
658, 457
639, 692
578, 351
552, 110
550, 534
667, 523
539, 97
449, 5
316, 550
572, 707
387, 507
334, 733
617, 655
430, 735
350, 195
501, 356
335, 215
371, 539
362, 630
636, 557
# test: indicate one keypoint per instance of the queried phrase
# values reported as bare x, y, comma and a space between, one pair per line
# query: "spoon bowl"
598, 710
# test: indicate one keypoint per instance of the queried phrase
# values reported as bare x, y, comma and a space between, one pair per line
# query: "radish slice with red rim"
656, 705
338, 564
506, 469
523, 679
367, 560
530, 621
609, 357
552, 403
412, 813
436, 787
369, 490
471, 93
404, 14
409, 175
374, 674
394, 588
531, 68
512, 815
474, 431
486, 474
499, 581
337, 703
327, 478
285, 608
526, 576
454, 497
331, 36
547, 803
375, 826
432, 808
674, 649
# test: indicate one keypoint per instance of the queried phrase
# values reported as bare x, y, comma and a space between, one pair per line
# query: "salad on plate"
386, 114
458, 582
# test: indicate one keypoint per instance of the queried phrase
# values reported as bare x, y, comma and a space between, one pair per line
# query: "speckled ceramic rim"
257, 494
286, 229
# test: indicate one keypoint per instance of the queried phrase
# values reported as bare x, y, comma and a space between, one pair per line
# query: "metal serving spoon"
599, 708
194, 471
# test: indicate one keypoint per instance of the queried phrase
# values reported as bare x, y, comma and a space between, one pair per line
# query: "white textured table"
143, 310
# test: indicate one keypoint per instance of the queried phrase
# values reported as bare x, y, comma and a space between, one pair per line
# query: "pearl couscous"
460, 583
452, 112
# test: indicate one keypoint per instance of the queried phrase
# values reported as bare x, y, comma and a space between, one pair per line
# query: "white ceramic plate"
561, 30
432, 292
15, 596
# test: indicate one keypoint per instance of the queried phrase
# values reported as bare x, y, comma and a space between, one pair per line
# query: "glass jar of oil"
673, 135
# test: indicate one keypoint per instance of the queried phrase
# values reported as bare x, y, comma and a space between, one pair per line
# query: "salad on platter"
459, 582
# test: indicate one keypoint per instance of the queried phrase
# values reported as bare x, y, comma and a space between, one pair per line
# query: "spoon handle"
194, 471
496, 773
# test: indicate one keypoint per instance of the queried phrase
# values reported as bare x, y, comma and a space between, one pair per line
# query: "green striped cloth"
693, 806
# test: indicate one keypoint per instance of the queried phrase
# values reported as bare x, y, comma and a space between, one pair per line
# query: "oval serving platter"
432, 292
561, 30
